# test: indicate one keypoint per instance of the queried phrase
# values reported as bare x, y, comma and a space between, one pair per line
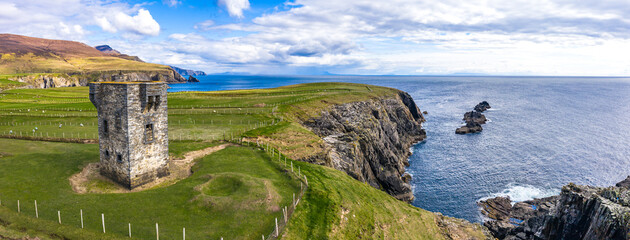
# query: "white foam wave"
523, 192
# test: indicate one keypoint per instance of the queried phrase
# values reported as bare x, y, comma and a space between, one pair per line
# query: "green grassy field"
235, 193
334, 207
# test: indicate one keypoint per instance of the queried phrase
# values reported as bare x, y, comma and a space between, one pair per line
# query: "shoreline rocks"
474, 119
624, 183
578, 212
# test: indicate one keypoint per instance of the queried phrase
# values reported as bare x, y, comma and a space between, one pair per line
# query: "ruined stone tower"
132, 130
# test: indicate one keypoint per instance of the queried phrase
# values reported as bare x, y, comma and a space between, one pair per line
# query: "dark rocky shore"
474, 119
370, 141
579, 212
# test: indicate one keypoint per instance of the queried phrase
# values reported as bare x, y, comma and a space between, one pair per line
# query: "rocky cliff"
370, 141
82, 79
187, 72
579, 212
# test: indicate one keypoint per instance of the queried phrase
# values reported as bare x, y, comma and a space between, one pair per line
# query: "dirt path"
89, 180
189, 157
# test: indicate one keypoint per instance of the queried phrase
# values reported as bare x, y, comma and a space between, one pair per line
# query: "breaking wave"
523, 192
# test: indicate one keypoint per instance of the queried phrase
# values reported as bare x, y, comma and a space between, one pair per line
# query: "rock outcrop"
470, 127
370, 141
50, 81
474, 116
82, 79
624, 184
579, 212
482, 106
474, 119
192, 79
187, 72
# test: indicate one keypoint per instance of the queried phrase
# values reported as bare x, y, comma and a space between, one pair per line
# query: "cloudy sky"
405, 37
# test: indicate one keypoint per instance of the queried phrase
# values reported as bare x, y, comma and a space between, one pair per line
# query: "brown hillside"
21, 45
29, 55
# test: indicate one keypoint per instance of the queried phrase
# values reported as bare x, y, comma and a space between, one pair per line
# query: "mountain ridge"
37, 61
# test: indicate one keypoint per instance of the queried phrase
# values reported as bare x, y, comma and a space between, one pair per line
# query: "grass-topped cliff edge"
335, 206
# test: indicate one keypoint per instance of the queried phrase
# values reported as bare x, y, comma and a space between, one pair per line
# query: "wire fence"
275, 232
287, 163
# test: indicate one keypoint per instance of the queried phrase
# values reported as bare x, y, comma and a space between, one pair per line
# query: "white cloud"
172, 3
142, 23
68, 30
235, 7
205, 25
566, 37
491, 36
69, 19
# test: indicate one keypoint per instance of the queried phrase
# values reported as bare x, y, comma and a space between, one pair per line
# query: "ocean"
543, 133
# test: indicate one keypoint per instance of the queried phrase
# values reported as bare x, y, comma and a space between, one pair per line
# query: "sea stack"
192, 79
474, 119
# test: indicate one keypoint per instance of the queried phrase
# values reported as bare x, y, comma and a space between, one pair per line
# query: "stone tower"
132, 130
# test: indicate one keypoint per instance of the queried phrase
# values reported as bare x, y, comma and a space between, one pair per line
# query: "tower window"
148, 133
152, 103
157, 103
106, 153
118, 121
119, 158
105, 128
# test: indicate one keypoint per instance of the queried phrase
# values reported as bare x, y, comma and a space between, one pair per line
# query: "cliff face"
188, 72
49, 81
579, 212
82, 79
370, 141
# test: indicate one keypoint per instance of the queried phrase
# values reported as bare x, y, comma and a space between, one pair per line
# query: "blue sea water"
544, 132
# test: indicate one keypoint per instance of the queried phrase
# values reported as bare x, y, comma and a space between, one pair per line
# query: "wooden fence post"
129, 230
157, 231
81, 212
18, 203
59, 216
36, 213
103, 220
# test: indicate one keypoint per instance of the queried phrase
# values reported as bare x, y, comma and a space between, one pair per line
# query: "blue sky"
397, 37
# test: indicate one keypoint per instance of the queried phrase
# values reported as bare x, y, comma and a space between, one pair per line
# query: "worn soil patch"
89, 180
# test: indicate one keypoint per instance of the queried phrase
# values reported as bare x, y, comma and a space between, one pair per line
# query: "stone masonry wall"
132, 161
150, 159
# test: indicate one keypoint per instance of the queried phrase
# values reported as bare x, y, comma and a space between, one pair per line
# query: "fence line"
287, 211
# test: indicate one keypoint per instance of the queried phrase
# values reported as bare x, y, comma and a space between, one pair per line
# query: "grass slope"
235, 193
335, 206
